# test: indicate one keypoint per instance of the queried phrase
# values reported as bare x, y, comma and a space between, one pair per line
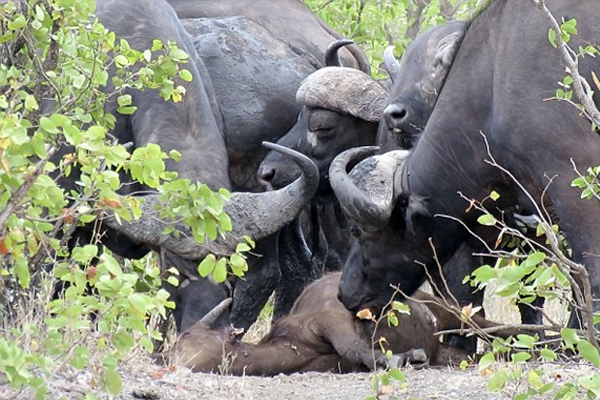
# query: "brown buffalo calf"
319, 334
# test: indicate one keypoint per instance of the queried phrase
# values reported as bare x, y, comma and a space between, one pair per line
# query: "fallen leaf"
3, 249
158, 374
68, 215
365, 314
388, 389
111, 203
91, 272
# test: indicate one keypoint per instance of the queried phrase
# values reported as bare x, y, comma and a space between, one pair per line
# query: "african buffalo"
494, 100
416, 84
192, 128
256, 59
320, 334
342, 108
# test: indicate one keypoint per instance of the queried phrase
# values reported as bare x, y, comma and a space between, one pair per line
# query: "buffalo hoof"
417, 358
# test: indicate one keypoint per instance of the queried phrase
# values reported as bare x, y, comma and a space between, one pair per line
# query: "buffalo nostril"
394, 115
265, 175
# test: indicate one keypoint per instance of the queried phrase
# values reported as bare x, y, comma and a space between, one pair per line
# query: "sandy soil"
146, 381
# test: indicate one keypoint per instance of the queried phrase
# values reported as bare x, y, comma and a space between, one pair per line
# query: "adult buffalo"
256, 59
416, 84
497, 90
192, 128
342, 108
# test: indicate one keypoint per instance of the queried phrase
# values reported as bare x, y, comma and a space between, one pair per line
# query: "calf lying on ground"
319, 334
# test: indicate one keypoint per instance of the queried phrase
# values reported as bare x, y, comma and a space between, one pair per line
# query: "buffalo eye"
322, 123
402, 201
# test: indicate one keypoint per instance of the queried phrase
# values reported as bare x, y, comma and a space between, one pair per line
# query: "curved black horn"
369, 205
331, 54
391, 63
257, 215
209, 319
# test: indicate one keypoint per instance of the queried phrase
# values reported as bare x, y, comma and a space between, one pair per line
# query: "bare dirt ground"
145, 381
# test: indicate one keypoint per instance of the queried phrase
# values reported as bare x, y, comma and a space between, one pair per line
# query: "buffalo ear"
416, 212
446, 49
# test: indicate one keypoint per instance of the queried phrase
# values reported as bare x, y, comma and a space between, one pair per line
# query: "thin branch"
582, 88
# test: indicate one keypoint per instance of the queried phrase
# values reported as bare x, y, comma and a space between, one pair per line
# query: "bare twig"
581, 87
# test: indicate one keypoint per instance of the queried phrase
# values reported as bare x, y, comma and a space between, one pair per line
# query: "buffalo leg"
252, 292
341, 333
298, 267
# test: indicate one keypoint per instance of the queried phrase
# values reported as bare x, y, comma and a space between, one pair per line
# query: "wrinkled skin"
490, 89
254, 76
320, 334
288, 20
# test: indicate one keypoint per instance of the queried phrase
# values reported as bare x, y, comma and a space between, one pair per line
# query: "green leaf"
173, 281
487, 220
534, 380
237, 261
121, 61
520, 357
22, 272
397, 374
178, 54
485, 361
552, 37
207, 265
497, 381
591, 383
31, 103
220, 271
113, 382
534, 258
185, 75
525, 341
570, 337
48, 125
127, 110
589, 352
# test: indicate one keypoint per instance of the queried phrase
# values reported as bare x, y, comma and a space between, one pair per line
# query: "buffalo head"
416, 83
341, 108
368, 196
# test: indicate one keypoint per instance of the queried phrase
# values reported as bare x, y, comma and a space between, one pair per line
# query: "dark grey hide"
193, 128
341, 108
336, 117
255, 77
502, 74
255, 59
290, 21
